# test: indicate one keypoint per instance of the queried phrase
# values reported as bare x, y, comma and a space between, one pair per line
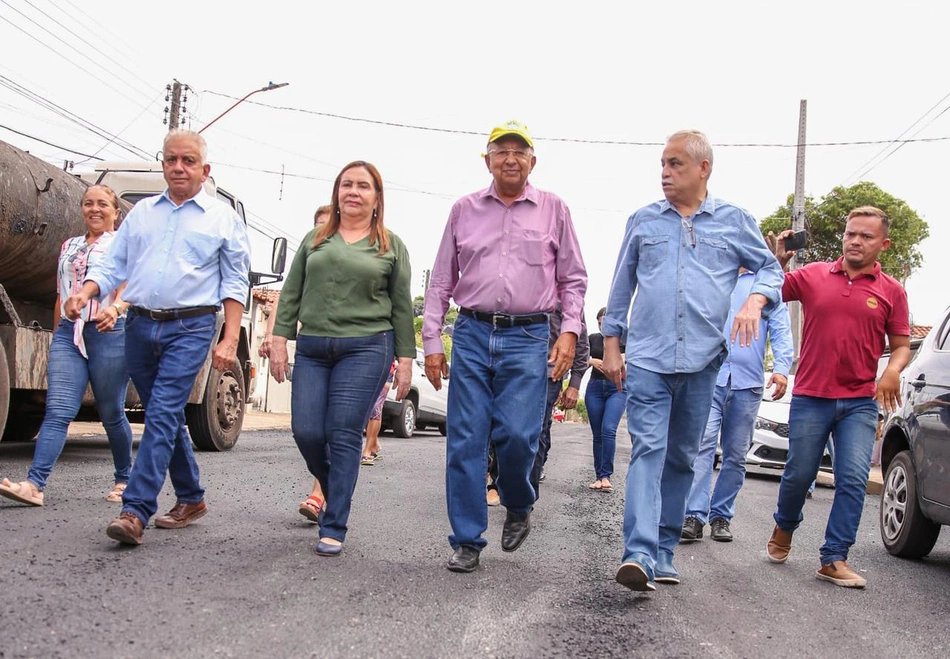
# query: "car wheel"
905, 530
443, 430
405, 423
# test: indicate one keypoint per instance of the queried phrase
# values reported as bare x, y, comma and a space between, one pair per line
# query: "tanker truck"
39, 209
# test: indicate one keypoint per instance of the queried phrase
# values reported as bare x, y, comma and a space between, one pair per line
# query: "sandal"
596, 485
115, 496
367, 461
24, 492
311, 508
606, 487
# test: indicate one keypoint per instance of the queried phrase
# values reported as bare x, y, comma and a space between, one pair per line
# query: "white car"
770, 437
423, 406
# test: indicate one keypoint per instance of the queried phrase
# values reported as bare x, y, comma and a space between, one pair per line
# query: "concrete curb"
875, 481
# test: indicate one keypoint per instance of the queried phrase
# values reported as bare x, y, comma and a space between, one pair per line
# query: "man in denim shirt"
682, 257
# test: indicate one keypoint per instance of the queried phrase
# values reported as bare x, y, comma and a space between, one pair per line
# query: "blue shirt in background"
683, 271
744, 368
193, 255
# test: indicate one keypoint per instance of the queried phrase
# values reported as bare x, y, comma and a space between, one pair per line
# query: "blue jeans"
666, 415
336, 383
731, 423
604, 408
555, 387
68, 372
496, 395
853, 422
831, 454
163, 358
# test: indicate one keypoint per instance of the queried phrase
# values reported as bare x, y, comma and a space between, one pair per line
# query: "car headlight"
761, 423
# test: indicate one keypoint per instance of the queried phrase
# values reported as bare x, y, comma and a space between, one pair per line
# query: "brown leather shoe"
126, 528
840, 574
780, 544
181, 515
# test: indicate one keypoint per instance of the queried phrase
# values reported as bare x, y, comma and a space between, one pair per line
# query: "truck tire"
215, 423
404, 423
4, 390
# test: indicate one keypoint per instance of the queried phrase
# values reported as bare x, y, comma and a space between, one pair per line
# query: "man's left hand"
746, 323
568, 399
888, 394
781, 384
224, 354
562, 355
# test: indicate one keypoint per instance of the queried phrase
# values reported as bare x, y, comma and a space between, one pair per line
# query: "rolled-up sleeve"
622, 286
112, 269
442, 282
234, 261
780, 336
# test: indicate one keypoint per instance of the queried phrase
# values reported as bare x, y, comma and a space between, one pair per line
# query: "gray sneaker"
692, 530
719, 530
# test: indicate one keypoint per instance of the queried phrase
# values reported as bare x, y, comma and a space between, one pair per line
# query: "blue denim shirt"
683, 271
744, 367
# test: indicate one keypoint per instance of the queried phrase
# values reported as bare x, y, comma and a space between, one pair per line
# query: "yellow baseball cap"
511, 128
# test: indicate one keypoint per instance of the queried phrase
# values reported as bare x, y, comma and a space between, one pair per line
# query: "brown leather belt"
173, 314
503, 319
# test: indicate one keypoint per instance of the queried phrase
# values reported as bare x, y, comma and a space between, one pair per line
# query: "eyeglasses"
502, 154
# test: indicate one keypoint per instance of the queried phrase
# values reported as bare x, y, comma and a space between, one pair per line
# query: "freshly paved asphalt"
244, 582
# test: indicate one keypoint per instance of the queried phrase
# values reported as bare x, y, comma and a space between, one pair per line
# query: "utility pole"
173, 113
425, 281
798, 224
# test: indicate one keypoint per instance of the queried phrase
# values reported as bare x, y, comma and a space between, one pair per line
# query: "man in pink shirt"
850, 307
508, 255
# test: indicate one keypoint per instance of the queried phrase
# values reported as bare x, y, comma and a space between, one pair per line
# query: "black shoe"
692, 530
515, 531
465, 559
719, 530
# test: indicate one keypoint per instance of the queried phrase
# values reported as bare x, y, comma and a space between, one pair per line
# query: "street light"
270, 86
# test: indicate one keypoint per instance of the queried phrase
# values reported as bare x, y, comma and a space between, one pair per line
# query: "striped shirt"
75, 259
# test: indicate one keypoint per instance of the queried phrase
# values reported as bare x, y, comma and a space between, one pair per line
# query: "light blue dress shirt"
192, 255
683, 271
744, 367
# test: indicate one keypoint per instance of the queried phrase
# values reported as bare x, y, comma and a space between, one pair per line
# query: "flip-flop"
595, 485
115, 496
367, 461
24, 492
606, 488
311, 508
378, 455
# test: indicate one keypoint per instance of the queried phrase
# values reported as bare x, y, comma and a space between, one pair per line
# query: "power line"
451, 131
68, 59
37, 139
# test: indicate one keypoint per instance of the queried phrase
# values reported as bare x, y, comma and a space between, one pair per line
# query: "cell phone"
796, 241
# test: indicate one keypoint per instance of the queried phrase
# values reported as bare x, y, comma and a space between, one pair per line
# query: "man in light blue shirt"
184, 254
682, 257
734, 409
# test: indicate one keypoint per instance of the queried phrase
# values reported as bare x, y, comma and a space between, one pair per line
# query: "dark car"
915, 455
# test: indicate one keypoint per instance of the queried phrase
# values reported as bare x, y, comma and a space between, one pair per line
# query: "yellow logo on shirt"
872, 302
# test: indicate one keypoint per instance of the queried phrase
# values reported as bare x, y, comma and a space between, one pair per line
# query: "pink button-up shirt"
517, 259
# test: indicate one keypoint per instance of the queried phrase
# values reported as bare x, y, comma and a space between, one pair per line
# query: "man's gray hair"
697, 145
181, 133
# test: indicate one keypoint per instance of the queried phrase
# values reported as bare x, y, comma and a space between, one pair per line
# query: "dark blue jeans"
163, 358
605, 407
544, 439
68, 373
336, 382
853, 422
497, 396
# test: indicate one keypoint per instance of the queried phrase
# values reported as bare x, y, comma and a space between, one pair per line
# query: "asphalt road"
244, 582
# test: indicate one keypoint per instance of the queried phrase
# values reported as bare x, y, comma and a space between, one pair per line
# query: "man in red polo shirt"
849, 306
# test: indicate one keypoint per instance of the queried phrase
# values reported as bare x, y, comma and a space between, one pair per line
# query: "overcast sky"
592, 72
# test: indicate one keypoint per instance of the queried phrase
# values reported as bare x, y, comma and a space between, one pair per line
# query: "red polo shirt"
846, 323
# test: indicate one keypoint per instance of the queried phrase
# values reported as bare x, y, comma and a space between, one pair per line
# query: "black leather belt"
503, 319
173, 314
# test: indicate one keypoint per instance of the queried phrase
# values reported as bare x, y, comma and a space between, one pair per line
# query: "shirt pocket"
200, 248
653, 252
534, 247
712, 251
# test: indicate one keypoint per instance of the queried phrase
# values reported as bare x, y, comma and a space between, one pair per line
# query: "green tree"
826, 219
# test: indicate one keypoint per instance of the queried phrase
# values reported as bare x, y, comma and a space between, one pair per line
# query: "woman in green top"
348, 288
